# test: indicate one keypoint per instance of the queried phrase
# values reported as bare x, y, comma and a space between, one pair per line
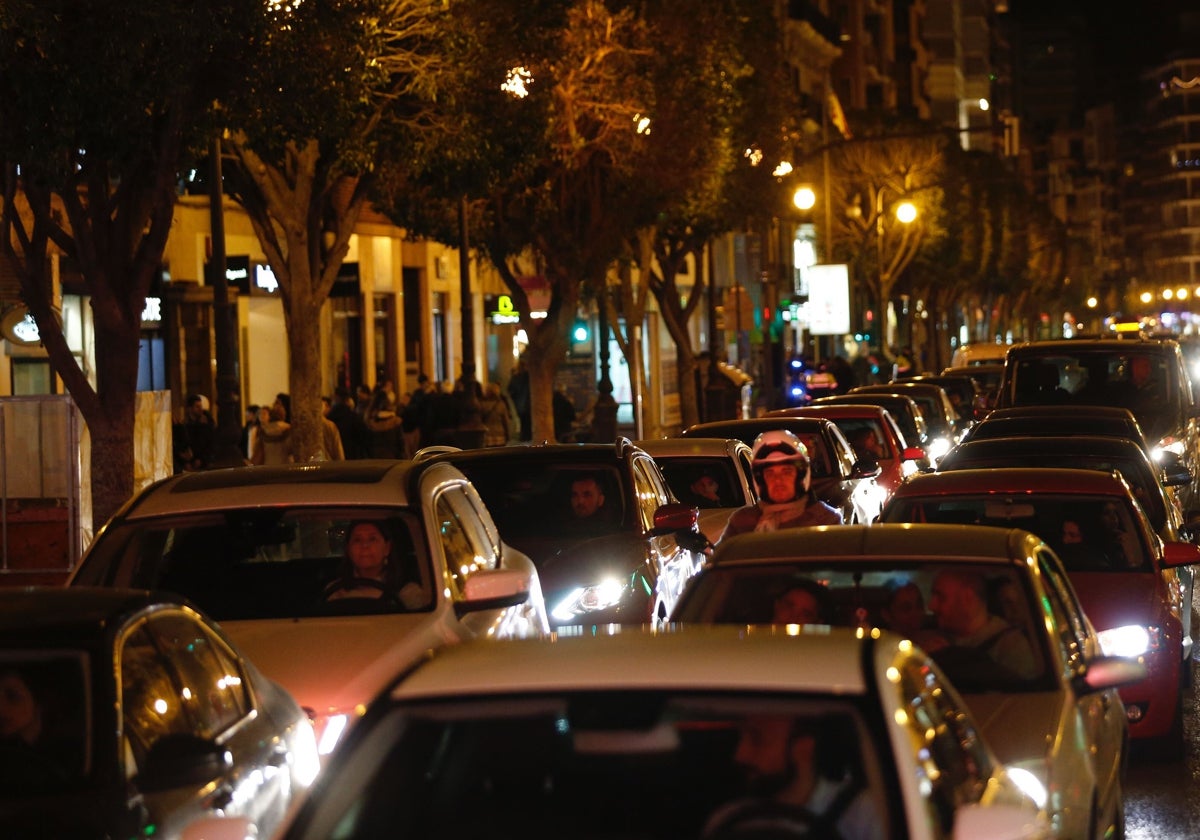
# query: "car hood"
337, 663
1116, 599
1017, 726
567, 562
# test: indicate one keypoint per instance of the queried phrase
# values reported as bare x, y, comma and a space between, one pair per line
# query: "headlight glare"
585, 599
1132, 640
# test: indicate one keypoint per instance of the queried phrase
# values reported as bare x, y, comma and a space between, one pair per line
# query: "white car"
712, 474
260, 548
640, 734
1036, 679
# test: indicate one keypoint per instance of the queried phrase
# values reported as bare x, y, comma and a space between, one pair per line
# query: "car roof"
976, 543
367, 483
639, 659
1076, 345
566, 453
692, 447
1059, 444
47, 613
1061, 411
832, 410
1024, 480
754, 425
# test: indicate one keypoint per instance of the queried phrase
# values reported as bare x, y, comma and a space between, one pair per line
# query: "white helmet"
778, 446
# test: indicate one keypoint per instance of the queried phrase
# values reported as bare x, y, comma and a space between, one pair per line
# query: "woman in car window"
370, 570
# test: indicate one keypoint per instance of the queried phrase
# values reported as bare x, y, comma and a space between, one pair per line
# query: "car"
987, 376
1151, 484
1127, 578
1147, 376
131, 714
963, 391
713, 474
1062, 719
634, 734
262, 549
978, 354
904, 411
945, 427
1056, 421
873, 433
587, 516
840, 478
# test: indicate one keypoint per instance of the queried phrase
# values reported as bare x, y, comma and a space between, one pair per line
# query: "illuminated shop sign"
503, 311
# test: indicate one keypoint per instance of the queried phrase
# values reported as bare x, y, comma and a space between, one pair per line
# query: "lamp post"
906, 214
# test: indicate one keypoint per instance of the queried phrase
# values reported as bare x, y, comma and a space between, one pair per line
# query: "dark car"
945, 426
963, 391
1054, 421
839, 476
612, 566
987, 378
1147, 376
904, 411
147, 719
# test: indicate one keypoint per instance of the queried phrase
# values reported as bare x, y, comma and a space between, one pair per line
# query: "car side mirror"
182, 760
493, 589
1177, 554
866, 468
1104, 672
682, 522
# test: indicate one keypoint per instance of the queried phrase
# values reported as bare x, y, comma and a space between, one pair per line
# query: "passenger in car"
369, 569
802, 602
31, 758
905, 614
959, 602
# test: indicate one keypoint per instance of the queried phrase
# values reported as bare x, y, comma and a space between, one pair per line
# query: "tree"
99, 112
340, 94
546, 99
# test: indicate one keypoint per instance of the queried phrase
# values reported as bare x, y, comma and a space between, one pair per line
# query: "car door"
193, 741
674, 564
1101, 713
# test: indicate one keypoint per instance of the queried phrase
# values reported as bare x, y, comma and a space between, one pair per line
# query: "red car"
873, 433
1127, 577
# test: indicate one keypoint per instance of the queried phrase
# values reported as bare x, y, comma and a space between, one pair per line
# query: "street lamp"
906, 214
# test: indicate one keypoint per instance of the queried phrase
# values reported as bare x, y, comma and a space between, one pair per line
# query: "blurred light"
1181, 294
1029, 783
1092, 302
1167, 294
984, 105
1147, 297
643, 123
784, 168
517, 82
804, 198
906, 212
1131, 640
755, 156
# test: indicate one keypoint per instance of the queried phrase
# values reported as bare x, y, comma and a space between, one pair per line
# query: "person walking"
493, 410
355, 436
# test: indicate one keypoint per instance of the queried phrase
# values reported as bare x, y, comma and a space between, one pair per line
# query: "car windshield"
269, 563
703, 482
44, 747
534, 498
1005, 649
597, 766
1089, 533
1143, 382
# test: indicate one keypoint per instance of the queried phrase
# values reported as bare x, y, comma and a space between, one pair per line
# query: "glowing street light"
906, 212
804, 198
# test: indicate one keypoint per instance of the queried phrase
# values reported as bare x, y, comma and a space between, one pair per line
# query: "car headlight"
587, 599
1030, 781
1167, 445
1132, 640
938, 447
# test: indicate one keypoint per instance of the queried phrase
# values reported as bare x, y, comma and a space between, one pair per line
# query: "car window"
1141, 378
1104, 533
1006, 653
647, 765
703, 482
47, 711
650, 489
251, 563
210, 685
1060, 598
954, 763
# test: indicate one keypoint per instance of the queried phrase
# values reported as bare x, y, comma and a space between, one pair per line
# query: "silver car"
264, 551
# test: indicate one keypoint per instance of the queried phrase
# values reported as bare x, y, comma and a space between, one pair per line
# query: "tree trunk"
304, 372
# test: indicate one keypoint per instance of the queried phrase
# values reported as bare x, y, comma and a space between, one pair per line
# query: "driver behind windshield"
370, 570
